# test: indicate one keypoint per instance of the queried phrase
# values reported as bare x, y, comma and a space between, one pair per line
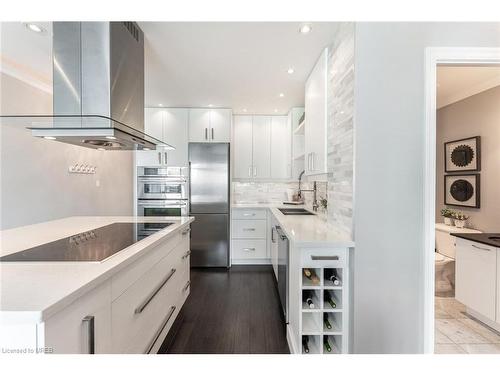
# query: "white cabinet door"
261, 147
476, 276
199, 125
281, 155
274, 246
153, 126
175, 133
220, 125
316, 117
153, 122
81, 325
242, 147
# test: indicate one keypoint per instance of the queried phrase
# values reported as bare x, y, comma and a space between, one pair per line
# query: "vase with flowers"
460, 219
447, 214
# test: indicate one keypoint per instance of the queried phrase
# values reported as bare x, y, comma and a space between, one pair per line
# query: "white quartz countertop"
32, 291
305, 230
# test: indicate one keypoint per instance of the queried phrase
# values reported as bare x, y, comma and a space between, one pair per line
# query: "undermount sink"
295, 211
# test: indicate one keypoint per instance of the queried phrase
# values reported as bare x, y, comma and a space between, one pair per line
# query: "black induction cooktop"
92, 246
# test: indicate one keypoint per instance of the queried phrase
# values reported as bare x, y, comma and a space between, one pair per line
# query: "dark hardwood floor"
229, 311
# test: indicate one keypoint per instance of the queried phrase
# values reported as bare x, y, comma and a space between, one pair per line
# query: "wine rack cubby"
328, 321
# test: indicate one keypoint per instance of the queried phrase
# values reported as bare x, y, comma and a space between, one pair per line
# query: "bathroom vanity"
478, 275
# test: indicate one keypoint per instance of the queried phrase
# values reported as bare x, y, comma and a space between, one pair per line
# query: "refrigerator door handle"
254, 171
249, 171
206, 133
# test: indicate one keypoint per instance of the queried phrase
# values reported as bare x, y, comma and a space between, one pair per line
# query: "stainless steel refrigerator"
209, 204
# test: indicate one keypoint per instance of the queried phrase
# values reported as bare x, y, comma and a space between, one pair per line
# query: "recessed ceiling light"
146, 148
160, 105
290, 70
50, 138
305, 28
275, 110
244, 109
210, 105
282, 95
101, 149
110, 137
35, 28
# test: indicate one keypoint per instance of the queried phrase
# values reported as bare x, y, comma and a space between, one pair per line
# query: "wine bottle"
330, 300
308, 300
326, 343
326, 321
311, 275
333, 278
305, 343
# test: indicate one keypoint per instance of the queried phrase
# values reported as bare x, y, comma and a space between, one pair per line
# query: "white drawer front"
132, 330
249, 229
132, 273
249, 249
249, 213
335, 258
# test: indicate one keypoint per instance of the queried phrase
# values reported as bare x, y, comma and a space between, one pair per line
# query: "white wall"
477, 115
389, 155
35, 184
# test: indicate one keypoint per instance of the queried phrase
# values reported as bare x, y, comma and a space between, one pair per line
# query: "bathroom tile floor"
459, 333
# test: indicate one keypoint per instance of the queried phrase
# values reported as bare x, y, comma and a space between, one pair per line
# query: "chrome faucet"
314, 190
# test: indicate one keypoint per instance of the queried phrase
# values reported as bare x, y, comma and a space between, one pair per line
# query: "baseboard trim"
490, 323
236, 262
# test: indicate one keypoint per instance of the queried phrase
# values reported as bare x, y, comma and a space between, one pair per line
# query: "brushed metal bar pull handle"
324, 257
212, 133
250, 171
159, 157
162, 326
481, 248
249, 249
88, 335
146, 302
186, 286
184, 232
313, 161
166, 156
206, 133
254, 171
272, 235
188, 253
249, 229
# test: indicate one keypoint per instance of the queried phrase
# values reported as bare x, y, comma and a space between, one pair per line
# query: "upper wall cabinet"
171, 126
209, 125
262, 147
316, 118
281, 147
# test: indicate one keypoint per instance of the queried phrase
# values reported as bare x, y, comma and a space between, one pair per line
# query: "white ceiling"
236, 65
455, 83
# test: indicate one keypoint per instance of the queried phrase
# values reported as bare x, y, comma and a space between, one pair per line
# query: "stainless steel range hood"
98, 87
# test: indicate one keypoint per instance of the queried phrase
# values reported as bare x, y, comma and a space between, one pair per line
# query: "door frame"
435, 56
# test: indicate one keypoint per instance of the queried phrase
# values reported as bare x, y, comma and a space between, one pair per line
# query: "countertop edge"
38, 316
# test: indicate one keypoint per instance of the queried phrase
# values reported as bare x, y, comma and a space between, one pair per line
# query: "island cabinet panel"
124, 279
84, 327
147, 309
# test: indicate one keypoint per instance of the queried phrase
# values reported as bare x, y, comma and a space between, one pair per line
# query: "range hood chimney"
98, 87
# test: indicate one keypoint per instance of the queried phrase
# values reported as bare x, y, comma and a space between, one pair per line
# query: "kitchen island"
294, 243
124, 303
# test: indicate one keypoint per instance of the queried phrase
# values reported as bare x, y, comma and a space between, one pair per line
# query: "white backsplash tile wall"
274, 192
340, 130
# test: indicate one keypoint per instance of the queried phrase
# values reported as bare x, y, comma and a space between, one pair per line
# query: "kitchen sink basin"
294, 211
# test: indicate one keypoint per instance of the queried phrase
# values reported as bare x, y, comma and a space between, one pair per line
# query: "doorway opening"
462, 123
